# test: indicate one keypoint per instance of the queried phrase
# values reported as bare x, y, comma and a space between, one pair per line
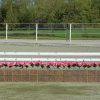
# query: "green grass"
49, 91
53, 34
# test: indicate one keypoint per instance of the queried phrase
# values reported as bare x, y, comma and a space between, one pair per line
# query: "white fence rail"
50, 31
48, 56
51, 59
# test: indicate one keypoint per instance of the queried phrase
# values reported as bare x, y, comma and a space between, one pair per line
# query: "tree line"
49, 11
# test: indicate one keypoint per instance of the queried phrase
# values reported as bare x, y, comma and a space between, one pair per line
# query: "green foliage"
9, 12
52, 11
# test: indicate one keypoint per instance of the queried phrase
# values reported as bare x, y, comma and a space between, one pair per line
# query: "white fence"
48, 56
50, 31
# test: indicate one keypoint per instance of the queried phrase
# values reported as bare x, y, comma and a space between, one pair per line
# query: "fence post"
87, 76
29, 75
70, 34
37, 77
4, 75
12, 75
6, 31
36, 31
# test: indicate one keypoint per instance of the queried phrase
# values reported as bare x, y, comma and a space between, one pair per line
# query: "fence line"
36, 32
50, 31
49, 59
70, 36
49, 54
6, 31
49, 75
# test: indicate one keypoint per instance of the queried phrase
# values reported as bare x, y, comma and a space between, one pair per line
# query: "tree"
95, 10
9, 11
52, 11
49, 10
25, 9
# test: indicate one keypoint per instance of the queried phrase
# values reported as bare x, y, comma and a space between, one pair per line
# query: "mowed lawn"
53, 34
49, 91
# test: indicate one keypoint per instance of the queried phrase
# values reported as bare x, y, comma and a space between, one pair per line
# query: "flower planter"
50, 65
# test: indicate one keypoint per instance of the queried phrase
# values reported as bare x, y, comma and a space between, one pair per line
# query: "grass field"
49, 91
52, 34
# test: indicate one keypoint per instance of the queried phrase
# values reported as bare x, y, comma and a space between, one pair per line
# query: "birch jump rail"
49, 56
47, 59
